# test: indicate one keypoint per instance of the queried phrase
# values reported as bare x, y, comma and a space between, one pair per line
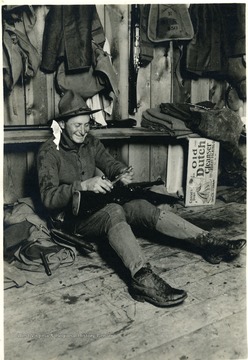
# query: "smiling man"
71, 166
77, 128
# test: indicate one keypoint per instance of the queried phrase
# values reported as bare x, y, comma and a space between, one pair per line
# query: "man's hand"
97, 184
127, 178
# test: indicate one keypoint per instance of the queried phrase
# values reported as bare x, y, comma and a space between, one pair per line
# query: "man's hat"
72, 104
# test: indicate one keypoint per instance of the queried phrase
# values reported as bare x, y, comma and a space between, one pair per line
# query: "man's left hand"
127, 178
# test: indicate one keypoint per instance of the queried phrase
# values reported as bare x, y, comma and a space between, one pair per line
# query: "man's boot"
147, 286
216, 249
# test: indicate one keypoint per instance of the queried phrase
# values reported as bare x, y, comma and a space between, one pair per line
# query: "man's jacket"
61, 171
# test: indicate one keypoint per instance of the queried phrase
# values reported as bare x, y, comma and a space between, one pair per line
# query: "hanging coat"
219, 34
68, 33
20, 57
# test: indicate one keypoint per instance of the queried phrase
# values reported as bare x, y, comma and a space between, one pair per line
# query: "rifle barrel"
134, 59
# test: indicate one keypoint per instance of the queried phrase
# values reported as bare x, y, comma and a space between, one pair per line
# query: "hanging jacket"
219, 33
68, 33
19, 55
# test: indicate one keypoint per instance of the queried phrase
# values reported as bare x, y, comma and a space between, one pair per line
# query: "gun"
86, 203
61, 237
134, 58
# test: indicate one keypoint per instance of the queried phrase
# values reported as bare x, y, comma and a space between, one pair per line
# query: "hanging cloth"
169, 22
19, 54
146, 46
219, 34
101, 77
68, 33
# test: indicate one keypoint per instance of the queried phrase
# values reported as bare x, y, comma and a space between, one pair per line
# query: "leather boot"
147, 286
216, 249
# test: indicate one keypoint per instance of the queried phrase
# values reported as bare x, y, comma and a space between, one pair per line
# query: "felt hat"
72, 104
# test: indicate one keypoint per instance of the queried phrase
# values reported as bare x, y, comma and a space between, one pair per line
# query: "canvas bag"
169, 22
28, 255
26, 235
101, 76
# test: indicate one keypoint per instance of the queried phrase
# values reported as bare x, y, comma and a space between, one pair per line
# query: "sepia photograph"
124, 181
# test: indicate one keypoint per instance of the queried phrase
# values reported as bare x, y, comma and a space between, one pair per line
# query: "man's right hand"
97, 184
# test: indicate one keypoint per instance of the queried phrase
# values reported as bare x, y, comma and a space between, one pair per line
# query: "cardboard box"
192, 170
202, 172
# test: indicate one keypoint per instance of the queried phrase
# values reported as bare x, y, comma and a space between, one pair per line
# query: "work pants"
116, 222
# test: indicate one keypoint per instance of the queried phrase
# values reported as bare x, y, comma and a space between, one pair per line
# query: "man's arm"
55, 196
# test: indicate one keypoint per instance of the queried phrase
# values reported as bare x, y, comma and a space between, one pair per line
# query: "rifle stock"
86, 203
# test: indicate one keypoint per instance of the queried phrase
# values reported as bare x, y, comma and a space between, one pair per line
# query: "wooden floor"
86, 312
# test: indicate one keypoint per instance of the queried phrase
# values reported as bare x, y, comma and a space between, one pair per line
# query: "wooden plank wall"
35, 102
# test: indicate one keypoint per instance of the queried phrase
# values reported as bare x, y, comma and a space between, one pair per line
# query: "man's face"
77, 128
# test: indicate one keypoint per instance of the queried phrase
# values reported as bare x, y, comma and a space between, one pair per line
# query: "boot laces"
156, 280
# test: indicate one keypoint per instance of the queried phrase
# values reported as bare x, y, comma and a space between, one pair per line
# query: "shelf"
39, 134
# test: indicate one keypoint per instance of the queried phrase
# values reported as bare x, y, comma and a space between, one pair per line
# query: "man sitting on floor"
67, 164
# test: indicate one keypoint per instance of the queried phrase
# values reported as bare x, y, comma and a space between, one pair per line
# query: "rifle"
61, 237
134, 58
86, 203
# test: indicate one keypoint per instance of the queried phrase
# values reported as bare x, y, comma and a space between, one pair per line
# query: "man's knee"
114, 214
144, 205
141, 212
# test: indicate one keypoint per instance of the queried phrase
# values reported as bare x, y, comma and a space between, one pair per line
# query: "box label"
202, 172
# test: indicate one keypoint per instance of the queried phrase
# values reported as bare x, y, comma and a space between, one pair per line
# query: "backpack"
168, 22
